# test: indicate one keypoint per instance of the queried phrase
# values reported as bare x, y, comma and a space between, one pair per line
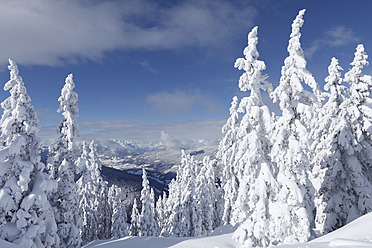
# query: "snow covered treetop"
360, 56
294, 45
359, 61
233, 121
68, 99
355, 75
334, 77
297, 24
68, 104
252, 78
334, 84
360, 83
17, 108
290, 90
14, 77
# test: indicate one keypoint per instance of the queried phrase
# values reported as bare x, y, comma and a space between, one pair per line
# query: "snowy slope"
357, 234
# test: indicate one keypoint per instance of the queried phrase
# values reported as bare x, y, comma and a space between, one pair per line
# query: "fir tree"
160, 213
226, 155
94, 205
61, 163
172, 205
147, 224
253, 143
26, 216
134, 223
206, 192
183, 215
190, 214
172, 224
324, 115
254, 170
87, 198
352, 133
328, 164
291, 143
343, 193
102, 205
119, 215
359, 106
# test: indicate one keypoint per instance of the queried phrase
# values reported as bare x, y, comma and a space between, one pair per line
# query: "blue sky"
159, 63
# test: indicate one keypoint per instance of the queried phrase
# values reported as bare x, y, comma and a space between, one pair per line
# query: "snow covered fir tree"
274, 179
26, 216
61, 163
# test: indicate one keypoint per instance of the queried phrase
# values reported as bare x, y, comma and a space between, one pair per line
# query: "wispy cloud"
170, 142
145, 64
171, 103
51, 32
340, 36
334, 37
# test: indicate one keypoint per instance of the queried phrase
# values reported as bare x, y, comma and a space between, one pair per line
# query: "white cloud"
51, 32
170, 142
334, 37
340, 36
171, 103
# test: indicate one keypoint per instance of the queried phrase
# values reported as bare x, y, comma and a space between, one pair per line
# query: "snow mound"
357, 230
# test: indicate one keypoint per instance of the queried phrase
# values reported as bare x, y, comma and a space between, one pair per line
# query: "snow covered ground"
357, 234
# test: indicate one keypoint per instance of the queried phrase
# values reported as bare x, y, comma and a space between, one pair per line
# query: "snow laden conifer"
328, 113
206, 192
61, 163
87, 191
342, 191
182, 209
328, 165
253, 127
291, 143
325, 115
359, 105
190, 214
171, 224
161, 214
119, 214
253, 168
94, 206
156, 230
134, 223
26, 216
105, 212
353, 191
102, 205
226, 157
147, 221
